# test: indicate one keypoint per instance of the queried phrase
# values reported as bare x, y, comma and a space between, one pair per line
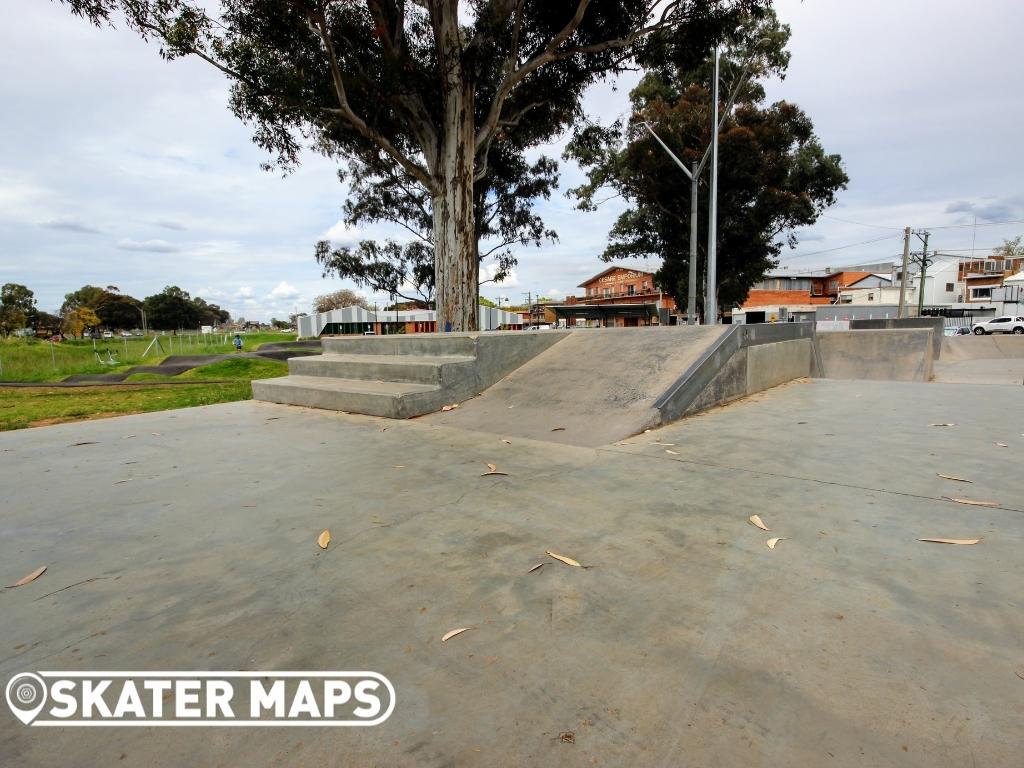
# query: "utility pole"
691, 296
924, 269
711, 291
903, 274
529, 308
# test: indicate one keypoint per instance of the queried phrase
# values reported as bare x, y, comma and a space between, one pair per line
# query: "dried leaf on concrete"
536, 567
491, 468
951, 541
324, 538
84, 442
952, 477
155, 434
669, 450
776, 540
757, 521
1002, 445
506, 442
972, 502
943, 424
398, 466
558, 429
30, 578
563, 559
451, 407
452, 633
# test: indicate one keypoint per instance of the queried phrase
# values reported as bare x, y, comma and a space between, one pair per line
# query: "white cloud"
284, 291
488, 271
342, 234
150, 246
554, 292
244, 291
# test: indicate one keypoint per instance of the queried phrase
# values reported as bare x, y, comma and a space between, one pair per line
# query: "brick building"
618, 297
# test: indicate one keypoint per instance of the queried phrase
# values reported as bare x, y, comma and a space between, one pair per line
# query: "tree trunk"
456, 269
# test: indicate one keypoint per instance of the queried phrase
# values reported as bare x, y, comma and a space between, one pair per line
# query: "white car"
108, 334
1005, 324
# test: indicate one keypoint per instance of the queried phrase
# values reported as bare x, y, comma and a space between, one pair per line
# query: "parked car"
1004, 324
108, 334
126, 334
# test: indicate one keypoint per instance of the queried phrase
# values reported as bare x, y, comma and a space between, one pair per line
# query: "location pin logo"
26, 695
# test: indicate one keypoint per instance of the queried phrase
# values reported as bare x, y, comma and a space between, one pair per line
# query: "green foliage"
242, 368
36, 406
774, 175
171, 309
17, 307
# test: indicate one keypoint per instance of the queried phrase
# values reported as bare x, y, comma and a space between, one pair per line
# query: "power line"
860, 223
838, 248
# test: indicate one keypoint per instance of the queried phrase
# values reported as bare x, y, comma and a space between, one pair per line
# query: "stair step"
398, 368
396, 400
403, 345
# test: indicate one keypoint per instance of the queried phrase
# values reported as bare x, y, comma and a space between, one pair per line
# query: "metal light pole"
693, 174
710, 292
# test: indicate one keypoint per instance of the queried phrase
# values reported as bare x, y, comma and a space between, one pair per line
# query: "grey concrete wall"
936, 324
886, 355
769, 365
748, 359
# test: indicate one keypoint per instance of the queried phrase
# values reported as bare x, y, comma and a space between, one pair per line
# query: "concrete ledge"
884, 355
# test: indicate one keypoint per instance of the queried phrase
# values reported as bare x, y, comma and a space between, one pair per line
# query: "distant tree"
279, 324
89, 296
293, 320
119, 311
427, 87
210, 314
171, 309
485, 302
340, 299
1010, 249
76, 321
17, 307
774, 175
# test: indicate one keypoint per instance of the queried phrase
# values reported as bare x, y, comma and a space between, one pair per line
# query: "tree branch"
414, 169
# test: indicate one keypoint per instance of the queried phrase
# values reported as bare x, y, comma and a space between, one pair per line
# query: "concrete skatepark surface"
689, 643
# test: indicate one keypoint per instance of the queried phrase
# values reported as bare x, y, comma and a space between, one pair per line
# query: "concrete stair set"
401, 376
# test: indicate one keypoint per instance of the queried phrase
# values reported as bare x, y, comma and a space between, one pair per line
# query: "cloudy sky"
118, 168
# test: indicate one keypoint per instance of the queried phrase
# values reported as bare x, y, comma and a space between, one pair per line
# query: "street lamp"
693, 174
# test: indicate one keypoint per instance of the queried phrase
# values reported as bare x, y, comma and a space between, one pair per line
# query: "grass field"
222, 382
36, 360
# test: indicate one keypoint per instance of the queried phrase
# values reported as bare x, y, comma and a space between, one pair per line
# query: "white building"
356, 320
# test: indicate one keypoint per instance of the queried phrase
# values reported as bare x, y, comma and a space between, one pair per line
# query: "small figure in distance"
238, 343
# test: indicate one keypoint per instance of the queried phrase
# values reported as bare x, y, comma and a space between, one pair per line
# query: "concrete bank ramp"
994, 347
996, 359
604, 384
597, 386
883, 355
